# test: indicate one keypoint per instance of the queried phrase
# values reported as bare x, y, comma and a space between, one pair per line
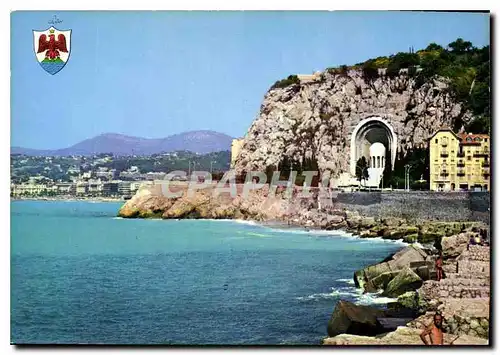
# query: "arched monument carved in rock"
367, 132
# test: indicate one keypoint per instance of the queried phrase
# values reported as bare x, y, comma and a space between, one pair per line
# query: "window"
469, 158
436, 141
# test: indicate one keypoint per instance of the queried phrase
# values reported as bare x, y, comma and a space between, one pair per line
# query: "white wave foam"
318, 296
355, 293
382, 240
347, 281
335, 292
244, 221
417, 244
373, 298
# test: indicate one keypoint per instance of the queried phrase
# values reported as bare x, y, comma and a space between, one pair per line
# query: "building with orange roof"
459, 162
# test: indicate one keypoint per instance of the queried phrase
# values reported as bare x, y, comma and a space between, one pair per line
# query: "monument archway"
367, 132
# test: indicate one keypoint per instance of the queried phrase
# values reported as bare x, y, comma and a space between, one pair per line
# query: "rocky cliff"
315, 119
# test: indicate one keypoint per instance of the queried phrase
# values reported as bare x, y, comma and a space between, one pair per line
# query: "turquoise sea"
81, 275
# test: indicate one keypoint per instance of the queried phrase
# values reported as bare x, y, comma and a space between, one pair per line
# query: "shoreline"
68, 199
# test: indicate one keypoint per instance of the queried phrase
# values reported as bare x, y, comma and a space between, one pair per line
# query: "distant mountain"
195, 141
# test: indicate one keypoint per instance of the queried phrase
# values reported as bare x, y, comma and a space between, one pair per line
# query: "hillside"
195, 141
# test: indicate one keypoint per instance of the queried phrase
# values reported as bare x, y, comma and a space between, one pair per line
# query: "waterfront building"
82, 188
110, 188
459, 162
94, 187
30, 189
124, 188
65, 188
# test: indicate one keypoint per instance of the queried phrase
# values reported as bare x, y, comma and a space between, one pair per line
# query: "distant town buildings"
459, 162
102, 174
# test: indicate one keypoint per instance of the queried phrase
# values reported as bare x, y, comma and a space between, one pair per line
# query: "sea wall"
417, 205
455, 288
461, 317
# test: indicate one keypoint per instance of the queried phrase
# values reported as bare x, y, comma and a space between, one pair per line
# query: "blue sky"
153, 74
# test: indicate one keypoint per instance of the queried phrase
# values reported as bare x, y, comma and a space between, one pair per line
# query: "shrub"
370, 70
291, 80
381, 62
412, 71
400, 61
326, 116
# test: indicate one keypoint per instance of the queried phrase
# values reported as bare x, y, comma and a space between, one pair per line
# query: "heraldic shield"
52, 48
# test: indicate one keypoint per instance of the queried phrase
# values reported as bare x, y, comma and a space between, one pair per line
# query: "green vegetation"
400, 61
418, 159
291, 80
56, 60
467, 67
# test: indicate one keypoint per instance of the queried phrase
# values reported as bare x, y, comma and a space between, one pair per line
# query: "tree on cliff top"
467, 67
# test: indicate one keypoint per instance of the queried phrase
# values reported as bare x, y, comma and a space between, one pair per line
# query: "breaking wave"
353, 294
347, 281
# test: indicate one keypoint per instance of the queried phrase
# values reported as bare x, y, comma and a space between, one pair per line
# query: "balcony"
444, 173
461, 154
486, 172
444, 154
461, 164
482, 153
460, 173
444, 143
486, 164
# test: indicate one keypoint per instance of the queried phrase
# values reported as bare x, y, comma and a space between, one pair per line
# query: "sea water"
81, 275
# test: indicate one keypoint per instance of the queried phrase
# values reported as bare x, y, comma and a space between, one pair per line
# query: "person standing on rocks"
434, 331
439, 267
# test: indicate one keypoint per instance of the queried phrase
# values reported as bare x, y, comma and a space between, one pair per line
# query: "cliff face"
316, 119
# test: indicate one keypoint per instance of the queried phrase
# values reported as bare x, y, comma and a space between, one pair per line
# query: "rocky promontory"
262, 205
315, 119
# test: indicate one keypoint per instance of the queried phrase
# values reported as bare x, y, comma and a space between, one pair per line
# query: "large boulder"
145, 205
354, 319
455, 245
405, 256
409, 300
406, 280
381, 281
377, 276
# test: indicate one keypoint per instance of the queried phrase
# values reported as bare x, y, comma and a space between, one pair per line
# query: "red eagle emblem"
52, 46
